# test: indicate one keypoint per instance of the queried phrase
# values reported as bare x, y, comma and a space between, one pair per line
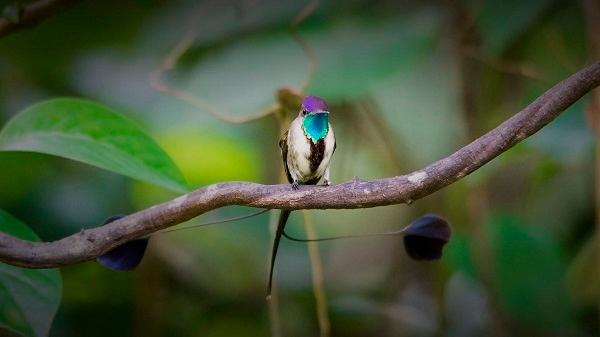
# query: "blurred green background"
408, 83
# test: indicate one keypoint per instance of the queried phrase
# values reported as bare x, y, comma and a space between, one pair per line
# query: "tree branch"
357, 193
32, 14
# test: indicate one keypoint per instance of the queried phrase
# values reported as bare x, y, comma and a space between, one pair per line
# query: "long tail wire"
216, 222
285, 234
354, 236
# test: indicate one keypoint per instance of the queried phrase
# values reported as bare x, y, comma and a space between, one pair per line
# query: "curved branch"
32, 14
310, 7
170, 61
357, 193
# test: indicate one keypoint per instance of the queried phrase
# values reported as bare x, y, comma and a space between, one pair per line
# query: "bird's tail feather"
283, 217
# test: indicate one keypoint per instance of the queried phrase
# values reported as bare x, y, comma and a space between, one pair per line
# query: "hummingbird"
306, 149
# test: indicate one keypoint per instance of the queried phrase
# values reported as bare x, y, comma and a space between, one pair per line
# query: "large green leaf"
29, 298
94, 134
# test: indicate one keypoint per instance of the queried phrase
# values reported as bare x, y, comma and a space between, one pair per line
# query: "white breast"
299, 153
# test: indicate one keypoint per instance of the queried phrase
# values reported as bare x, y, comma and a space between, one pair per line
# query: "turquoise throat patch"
316, 125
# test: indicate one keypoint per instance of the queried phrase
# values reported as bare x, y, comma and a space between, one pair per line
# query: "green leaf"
29, 298
94, 134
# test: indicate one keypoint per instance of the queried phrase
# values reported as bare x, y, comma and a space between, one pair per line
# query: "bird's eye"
304, 112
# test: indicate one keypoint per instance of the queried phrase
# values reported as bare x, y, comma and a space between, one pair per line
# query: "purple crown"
314, 103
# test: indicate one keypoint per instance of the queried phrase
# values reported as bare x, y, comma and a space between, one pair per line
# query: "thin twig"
308, 50
317, 277
88, 244
169, 63
592, 15
373, 116
519, 68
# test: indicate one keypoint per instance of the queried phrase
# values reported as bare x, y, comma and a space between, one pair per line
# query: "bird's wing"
334, 146
283, 145
334, 139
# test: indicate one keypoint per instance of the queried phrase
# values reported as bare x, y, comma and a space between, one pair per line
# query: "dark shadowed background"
408, 82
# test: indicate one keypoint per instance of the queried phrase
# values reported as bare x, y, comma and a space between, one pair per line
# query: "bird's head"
315, 114
313, 105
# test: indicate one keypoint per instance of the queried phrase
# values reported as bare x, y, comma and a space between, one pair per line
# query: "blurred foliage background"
409, 82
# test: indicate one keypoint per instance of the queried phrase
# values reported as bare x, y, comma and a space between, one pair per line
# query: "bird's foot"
295, 186
326, 182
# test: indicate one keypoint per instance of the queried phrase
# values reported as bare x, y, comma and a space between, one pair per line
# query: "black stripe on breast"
284, 152
317, 152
